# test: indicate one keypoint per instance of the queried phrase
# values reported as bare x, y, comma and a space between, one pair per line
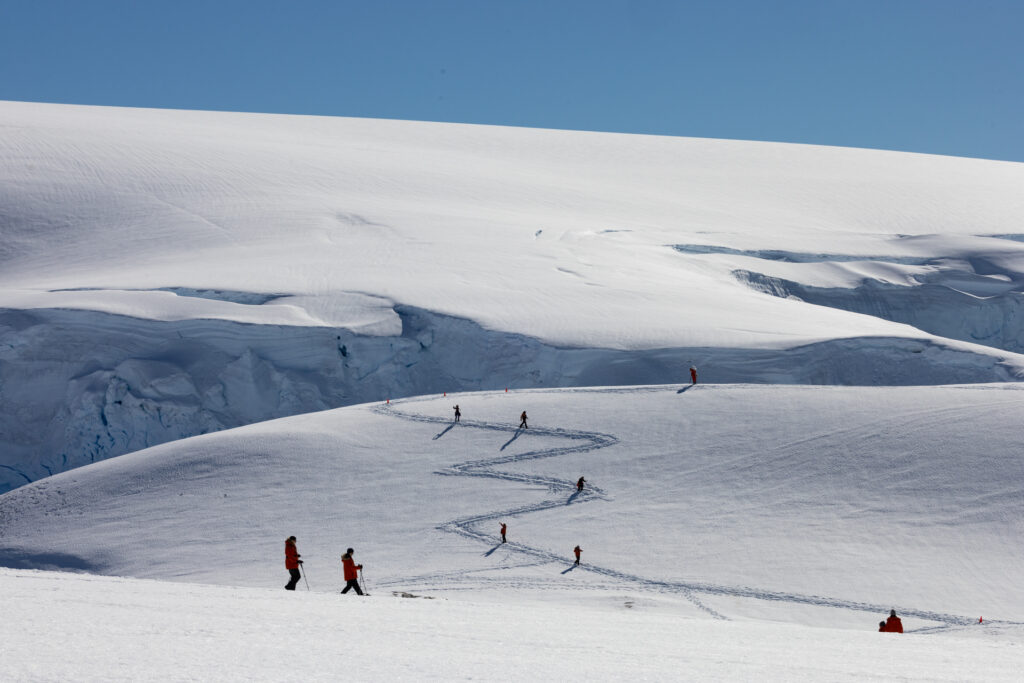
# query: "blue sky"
933, 76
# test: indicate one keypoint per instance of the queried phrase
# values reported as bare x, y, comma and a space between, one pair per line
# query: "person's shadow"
491, 551
449, 428
514, 437
571, 567
686, 388
572, 499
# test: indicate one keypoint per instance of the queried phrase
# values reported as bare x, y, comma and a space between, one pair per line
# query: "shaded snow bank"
986, 310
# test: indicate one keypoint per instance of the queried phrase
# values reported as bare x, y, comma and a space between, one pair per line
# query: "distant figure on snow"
693, 375
458, 413
577, 550
503, 529
892, 624
351, 572
881, 627
522, 421
292, 562
579, 484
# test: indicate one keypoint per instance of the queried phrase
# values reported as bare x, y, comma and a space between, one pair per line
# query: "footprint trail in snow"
582, 442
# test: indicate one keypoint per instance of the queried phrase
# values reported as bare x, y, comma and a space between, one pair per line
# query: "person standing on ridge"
693, 375
579, 484
351, 572
893, 623
522, 421
458, 413
292, 562
503, 529
577, 550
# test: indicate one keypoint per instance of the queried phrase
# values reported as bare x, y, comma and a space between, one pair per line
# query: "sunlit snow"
851, 447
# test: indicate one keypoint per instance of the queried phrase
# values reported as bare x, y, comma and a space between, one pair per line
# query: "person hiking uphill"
893, 623
458, 413
503, 529
522, 421
351, 572
579, 484
577, 550
291, 563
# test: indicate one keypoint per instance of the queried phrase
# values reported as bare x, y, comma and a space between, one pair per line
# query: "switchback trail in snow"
562, 492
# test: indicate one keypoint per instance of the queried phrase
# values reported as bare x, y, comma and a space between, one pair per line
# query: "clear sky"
937, 76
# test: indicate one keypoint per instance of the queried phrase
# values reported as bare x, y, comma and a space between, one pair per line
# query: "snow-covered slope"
168, 273
812, 505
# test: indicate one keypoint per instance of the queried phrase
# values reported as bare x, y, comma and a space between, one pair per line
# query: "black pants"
295, 580
352, 583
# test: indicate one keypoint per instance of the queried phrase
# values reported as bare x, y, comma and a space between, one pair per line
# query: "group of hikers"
349, 567
351, 570
522, 418
576, 551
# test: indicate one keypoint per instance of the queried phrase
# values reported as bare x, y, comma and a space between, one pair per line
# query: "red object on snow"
893, 624
351, 568
291, 556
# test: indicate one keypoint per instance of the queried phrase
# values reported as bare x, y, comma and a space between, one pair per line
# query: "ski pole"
303, 570
363, 581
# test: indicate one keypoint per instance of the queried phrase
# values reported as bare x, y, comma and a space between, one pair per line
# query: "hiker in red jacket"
503, 528
292, 562
577, 550
693, 374
893, 624
351, 572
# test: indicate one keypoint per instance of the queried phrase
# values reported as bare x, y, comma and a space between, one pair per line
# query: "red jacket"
351, 568
893, 625
291, 556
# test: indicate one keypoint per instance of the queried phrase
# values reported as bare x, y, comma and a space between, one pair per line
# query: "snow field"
61, 626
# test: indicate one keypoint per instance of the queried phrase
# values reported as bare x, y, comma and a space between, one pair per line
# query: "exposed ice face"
84, 386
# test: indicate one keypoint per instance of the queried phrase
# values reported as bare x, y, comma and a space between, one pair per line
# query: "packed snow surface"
170, 273
730, 528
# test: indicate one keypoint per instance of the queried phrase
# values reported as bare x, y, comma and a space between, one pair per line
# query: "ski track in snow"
583, 442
